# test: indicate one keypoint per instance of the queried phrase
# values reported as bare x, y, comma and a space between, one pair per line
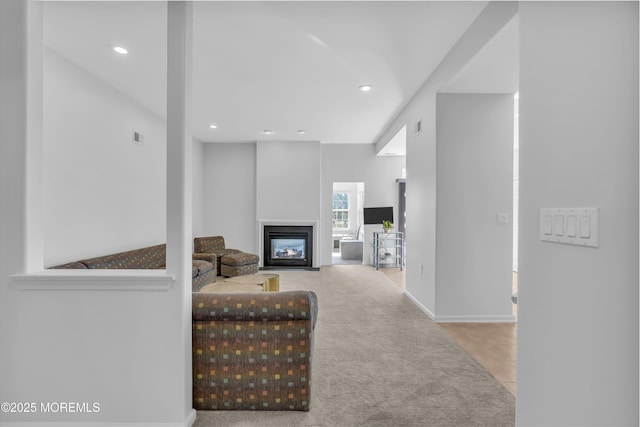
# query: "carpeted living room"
130, 130
380, 361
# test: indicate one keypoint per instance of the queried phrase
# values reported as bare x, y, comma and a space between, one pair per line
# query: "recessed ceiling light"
213, 126
120, 50
302, 131
267, 132
365, 88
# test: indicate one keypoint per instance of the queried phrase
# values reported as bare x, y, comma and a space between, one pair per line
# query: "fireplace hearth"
287, 246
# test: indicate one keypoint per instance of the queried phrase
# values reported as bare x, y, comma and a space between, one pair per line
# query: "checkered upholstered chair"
230, 262
213, 245
253, 351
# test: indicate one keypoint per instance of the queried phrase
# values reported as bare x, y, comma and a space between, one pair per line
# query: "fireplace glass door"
288, 246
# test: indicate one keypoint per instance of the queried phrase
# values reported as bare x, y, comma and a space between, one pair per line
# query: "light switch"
558, 225
585, 226
572, 223
570, 226
546, 225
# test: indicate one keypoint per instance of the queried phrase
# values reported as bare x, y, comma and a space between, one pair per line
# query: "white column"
34, 251
20, 136
578, 306
20, 140
179, 177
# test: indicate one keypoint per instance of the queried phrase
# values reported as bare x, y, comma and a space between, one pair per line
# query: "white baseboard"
91, 424
419, 305
191, 418
480, 318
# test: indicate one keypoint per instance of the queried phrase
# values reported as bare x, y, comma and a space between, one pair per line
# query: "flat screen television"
377, 215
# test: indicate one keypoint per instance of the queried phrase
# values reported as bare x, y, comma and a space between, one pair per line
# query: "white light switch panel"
571, 226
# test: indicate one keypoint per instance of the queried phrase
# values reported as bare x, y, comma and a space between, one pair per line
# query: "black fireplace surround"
288, 246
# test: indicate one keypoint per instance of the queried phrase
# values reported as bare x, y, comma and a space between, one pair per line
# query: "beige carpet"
380, 361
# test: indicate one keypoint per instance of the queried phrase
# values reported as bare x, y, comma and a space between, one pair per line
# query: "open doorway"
346, 222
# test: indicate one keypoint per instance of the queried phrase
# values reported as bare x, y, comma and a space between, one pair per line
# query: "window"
340, 209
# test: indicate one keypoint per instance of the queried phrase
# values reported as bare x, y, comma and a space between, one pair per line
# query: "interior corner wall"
474, 183
421, 196
230, 194
421, 152
578, 306
102, 192
357, 163
421, 202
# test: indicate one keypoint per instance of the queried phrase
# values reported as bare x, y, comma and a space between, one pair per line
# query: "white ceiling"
282, 66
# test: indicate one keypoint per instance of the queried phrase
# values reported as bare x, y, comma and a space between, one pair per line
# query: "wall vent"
137, 138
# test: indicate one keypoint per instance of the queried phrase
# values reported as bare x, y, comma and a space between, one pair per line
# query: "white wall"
474, 183
288, 188
578, 307
288, 177
421, 153
198, 188
20, 133
234, 184
117, 339
102, 193
103, 340
421, 201
357, 163
230, 194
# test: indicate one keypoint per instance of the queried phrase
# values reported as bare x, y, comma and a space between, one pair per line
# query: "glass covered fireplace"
288, 246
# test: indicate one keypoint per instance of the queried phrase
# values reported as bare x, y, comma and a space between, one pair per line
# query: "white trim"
94, 280
480, 318
313, 223
191, 418
477, 318
92, 424
419, 305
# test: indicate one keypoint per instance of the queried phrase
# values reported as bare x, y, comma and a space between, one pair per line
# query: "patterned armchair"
253, 351
229, 262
